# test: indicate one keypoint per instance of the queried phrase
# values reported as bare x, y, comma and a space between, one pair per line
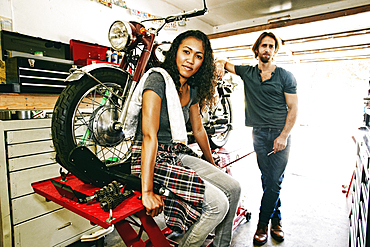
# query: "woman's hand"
153, 203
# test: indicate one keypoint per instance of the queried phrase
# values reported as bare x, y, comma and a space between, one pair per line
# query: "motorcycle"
91, 110
217, 119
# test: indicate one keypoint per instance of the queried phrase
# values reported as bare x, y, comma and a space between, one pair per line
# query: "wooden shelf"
17, 101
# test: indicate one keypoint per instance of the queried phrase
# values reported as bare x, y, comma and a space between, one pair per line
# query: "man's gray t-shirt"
156, 83
265, 101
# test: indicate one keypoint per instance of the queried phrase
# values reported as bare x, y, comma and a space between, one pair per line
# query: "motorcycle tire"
219, 139
83, 116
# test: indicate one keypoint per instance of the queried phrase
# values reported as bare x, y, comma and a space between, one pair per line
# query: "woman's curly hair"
204, 79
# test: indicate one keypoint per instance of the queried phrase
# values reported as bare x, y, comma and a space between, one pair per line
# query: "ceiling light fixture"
282, 18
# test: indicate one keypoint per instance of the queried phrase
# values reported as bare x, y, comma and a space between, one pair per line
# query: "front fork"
129, 87
148, 42
122, 117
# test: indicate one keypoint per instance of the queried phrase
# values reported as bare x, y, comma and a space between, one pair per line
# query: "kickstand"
350, 184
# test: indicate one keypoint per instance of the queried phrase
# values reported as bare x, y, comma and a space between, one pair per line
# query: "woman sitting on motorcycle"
207, 197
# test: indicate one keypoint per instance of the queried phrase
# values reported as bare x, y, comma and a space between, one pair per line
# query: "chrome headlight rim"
127, 31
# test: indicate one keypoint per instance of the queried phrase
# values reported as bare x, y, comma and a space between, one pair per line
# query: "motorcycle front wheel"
85, 115
222, 118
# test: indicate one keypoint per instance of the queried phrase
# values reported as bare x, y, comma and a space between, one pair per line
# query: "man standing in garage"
271, 109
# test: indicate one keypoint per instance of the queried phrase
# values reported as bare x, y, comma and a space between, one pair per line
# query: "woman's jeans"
272, 169
220, 202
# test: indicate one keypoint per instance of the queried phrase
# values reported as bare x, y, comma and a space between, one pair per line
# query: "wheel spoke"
91, 110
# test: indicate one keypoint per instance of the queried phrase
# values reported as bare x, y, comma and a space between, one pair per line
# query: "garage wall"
86, 20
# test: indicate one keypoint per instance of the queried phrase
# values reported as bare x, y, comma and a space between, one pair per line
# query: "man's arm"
292, 103
221, 65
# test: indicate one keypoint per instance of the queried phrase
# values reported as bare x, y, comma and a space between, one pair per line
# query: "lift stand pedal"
66, 191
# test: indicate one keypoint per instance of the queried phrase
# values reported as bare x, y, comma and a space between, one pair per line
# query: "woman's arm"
150, 124
200, 133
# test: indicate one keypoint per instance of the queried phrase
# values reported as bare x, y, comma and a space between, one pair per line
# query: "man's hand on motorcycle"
153, 203
220, 69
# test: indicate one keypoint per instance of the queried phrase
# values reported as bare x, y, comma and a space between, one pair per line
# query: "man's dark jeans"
272, 169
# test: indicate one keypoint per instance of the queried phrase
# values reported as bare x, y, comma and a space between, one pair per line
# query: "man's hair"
259, 40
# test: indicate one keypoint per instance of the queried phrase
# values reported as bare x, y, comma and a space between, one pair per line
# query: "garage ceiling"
314, 30
223, 12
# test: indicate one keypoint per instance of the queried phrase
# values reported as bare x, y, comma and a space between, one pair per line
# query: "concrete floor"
315, 211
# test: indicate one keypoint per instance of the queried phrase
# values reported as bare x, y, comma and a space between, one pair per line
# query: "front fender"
77, 74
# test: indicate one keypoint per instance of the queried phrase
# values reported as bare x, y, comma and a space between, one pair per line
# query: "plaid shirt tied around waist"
184, 182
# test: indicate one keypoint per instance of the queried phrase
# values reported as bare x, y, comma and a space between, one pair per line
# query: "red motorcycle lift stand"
123, 215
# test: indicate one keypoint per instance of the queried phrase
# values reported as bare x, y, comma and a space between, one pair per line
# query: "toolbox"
34, 65
84, 53
36, 75
13, 41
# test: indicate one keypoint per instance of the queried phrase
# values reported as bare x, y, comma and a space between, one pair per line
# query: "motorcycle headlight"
120, 35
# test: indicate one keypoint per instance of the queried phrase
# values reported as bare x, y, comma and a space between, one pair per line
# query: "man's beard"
264, 59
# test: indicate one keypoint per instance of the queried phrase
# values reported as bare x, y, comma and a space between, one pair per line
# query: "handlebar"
180, 17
